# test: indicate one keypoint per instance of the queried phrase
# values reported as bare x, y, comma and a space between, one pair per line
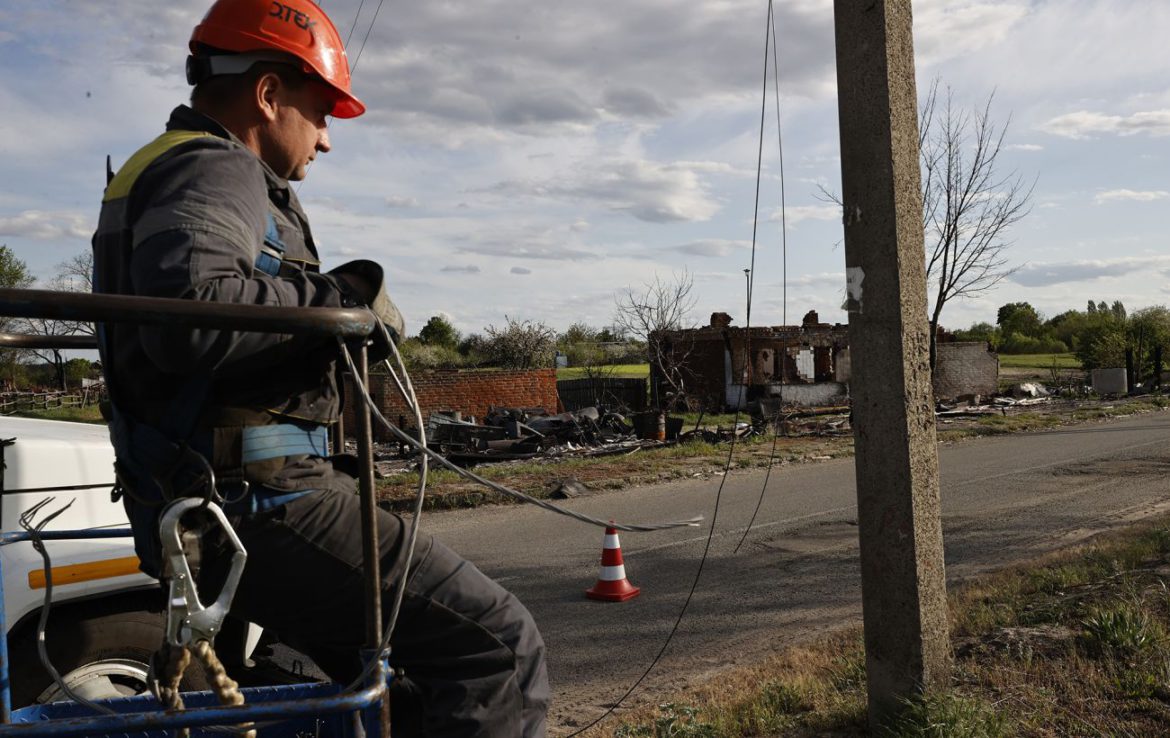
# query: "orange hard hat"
296, 27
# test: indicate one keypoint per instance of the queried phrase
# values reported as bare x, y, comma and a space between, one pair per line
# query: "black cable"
734, 426
369, 30
784, 254
353, 25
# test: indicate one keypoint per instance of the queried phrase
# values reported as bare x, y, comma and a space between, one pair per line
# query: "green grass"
614, 370
1039, 361
87, 414
1073, 643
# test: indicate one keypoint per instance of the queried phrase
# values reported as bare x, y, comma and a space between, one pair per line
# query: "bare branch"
967, 205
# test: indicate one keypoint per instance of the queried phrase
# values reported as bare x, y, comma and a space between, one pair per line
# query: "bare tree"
967, 205
73, 275
655, 314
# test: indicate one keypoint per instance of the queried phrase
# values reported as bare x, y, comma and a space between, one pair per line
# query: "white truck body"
40, 454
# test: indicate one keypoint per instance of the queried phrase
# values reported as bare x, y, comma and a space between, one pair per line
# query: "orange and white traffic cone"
612, 585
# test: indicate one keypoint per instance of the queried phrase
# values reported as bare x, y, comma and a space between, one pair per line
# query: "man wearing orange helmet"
205, 212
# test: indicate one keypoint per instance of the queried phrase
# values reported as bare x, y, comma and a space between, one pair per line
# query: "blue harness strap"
272, 253
263, 442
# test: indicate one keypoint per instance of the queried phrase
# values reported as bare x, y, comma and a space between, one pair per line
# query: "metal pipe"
371, 560
25, 341
370, 548
5, 687
47, 304
195, 717
66, 535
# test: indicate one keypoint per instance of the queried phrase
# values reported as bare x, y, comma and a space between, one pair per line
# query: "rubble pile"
527, 433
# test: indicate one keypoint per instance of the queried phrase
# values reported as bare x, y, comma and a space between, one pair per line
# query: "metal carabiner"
188, 621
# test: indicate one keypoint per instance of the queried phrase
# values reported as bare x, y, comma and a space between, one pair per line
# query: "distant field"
615, 370
1039, 361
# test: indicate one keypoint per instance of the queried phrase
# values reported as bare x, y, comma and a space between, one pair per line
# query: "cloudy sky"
530, 159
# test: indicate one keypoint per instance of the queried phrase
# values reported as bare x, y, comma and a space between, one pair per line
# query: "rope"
176, 659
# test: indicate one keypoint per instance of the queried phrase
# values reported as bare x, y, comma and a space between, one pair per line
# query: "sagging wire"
353, 25
735, 423
369, 30
783, 249
34, 529
507, 491
353, 68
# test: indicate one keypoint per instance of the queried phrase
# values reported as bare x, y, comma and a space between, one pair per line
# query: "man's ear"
268, 89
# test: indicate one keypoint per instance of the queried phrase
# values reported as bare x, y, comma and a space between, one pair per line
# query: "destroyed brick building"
965, 368
720, 366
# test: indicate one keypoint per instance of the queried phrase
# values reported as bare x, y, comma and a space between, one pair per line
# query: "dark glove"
363, 282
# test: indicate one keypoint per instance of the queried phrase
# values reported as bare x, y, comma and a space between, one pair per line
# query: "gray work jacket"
197, 215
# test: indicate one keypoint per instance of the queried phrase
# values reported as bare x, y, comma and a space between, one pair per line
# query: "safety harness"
183, 455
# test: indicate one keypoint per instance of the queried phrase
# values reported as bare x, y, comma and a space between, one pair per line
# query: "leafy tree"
14, 273
1118, 310
1147, 330
520, 345
980, 332
439, 332
1092, 307
1019, 317
580, 343
1068, 326
418, 355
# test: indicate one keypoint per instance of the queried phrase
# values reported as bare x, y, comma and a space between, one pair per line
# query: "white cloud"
1054, 273
45, 225
713, 247
1134, 195
468, 269
798, 213
1084, 123
945, 29
400, 201
1024, 147
520, 270
647, 190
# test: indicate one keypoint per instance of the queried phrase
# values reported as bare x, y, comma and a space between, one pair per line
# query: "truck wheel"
99, 656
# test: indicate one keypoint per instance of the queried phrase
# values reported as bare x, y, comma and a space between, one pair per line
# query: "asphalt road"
1004, 499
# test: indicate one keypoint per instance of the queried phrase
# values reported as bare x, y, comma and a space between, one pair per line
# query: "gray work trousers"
472, 658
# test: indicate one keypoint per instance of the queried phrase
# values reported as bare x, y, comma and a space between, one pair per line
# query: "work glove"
363, 283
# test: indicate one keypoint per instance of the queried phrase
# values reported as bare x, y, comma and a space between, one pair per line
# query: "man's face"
299, 130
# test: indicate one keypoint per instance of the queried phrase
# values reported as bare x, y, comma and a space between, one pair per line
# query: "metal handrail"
344, 323
86, 307
29, 341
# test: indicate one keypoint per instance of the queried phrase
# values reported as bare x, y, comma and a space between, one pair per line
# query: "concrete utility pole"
903, 587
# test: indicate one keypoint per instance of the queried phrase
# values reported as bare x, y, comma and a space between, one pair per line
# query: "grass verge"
1039, 361
612, 370
87, 414
1072, 644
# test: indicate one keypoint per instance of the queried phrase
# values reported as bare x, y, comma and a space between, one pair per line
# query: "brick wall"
471, 392
965, 368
